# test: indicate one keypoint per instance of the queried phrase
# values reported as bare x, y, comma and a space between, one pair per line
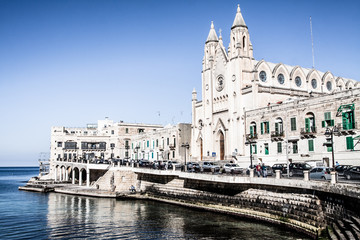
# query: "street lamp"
186, 146
250, 141
329, 133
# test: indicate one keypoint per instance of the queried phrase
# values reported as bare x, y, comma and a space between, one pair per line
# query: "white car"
232, 168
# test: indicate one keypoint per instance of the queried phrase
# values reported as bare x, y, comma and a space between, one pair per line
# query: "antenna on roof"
312, 44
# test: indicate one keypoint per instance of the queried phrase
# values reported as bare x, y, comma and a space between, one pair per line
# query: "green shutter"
266, 146
251, 131
329, 149
332, 123
262, 128
255, 152
276, 127
327, 116
349, 143
307, 125
293, 124
267, 127
323, 124
311, 145
279, 147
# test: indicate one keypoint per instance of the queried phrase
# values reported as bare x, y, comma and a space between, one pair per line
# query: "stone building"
104, 140
169, 143
234, 83
295, 130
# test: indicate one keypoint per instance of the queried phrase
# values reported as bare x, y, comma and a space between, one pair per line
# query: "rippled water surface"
28, 215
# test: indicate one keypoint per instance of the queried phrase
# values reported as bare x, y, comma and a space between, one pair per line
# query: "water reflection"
85, 217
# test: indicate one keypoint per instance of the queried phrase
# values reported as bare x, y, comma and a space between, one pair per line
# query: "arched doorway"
222, 146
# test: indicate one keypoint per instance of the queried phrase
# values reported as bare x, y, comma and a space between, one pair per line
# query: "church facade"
234, 85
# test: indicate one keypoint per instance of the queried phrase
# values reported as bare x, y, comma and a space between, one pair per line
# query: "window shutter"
267, 127
323, 124
307, 124
251, 130
255, 152
349, 143
332, 122
276, 127
262, 128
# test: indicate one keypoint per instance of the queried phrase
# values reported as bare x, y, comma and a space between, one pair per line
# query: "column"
80, 177
278, 175
66, 174
251, 172
333, 177
88, 177
56, 172
306, 175
73, 176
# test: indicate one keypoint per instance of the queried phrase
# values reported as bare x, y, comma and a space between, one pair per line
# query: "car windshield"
234, 165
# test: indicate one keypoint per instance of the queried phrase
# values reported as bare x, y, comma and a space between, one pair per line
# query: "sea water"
32, 215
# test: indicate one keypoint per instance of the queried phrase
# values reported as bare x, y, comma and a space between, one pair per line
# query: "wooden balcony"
308, 132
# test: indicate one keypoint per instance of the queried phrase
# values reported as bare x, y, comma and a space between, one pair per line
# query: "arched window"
244, 42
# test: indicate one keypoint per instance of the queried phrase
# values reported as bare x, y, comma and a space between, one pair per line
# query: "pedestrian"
264, 170
258, 170
337, 163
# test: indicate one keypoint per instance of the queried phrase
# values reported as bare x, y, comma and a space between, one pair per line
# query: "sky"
69, 63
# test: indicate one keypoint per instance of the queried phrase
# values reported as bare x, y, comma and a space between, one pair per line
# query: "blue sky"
69, 63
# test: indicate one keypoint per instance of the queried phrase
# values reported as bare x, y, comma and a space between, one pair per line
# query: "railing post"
278, 174
334, 177
251, 172
306, 175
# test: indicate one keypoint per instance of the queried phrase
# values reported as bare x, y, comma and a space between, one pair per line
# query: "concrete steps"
348, 229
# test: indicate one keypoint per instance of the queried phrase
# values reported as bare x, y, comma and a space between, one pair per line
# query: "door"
222, 147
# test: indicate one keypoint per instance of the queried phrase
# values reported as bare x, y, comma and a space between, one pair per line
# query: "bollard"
251, 172
173, 167
334, 177
278, 174
118, 163
138, 165
306, 175
132, 164
127, 164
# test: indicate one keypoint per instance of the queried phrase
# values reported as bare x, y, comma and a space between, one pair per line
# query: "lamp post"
250, 141
186, 146
329, 133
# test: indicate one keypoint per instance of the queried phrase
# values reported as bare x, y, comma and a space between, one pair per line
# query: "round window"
314, 83
329, 85
281, 78
262, 76
298, 81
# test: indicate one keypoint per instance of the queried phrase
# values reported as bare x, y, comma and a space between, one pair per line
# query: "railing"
127, 147
70, 148
347, 126
275, 134
172, 146
309, 130
252, 136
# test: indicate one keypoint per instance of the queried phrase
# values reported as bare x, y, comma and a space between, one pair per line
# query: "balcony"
172, 146
252, 136
161, 147
277, 135
308, 132
127, 147
346, 129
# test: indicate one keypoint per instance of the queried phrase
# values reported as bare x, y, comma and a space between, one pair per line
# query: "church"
250, 107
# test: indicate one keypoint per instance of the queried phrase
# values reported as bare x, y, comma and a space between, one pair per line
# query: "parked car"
193, 167
232, 168
340, 169
280, 166
269, 171
321, 173
174, 163
352, 173
210, 167
297, 169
